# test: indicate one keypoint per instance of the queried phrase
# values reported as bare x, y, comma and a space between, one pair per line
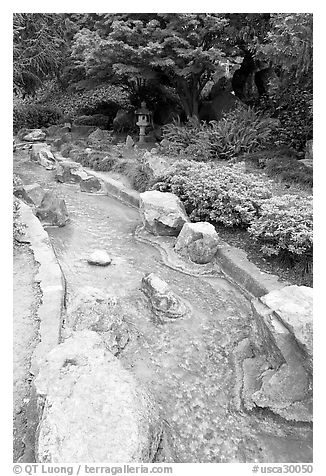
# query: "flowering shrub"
240, 131
222, 194
285, 224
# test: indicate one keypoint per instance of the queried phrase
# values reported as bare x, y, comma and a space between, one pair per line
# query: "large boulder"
98, 311
90, 184
198, 242
68, 171
165, 304
41, 153
162, 213
293, 306
91, 408
35, 192
35, 135
278, 375
52, 210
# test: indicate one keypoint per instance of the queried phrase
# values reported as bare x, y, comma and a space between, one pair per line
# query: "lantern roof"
143, 109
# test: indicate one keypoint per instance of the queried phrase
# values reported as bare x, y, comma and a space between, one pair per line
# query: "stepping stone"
99, 258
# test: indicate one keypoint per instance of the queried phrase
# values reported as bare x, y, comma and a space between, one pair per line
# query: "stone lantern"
144, 119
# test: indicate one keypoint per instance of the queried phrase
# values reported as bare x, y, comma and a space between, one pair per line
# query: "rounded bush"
34, 116
285, 224
221, 194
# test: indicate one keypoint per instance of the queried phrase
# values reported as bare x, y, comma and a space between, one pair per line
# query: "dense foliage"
29, 115
240, 131
285, 226
222, 194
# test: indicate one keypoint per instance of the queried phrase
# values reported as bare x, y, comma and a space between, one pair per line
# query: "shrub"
18, 226
222, 194
88, 101
34, 116
290, 170
285, 227
240, 131
292, 104
98, 120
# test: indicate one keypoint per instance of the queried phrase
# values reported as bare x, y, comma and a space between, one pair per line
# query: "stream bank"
190, 365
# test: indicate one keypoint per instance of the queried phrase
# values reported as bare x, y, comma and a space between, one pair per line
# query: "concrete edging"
52, 285
233, 261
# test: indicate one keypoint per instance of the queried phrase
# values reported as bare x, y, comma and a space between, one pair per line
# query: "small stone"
99, 258
90, 184
129, 142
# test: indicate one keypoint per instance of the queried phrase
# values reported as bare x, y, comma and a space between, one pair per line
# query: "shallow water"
188, 364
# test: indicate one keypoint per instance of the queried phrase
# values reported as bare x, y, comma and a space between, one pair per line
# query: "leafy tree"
39, 44
178, 50
289, 47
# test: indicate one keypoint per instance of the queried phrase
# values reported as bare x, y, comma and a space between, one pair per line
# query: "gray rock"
293, 306
91, 408
41, 153
68, 171
90, 184
157, 164
52, 211
282, 379
35, 135
97, 311
21, 193
198, 241
35, 193
164, 302
162, 213
129, 142
99, 258
307, 162
99, 135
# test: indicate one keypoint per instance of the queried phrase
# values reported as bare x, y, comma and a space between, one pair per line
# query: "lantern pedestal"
144, 120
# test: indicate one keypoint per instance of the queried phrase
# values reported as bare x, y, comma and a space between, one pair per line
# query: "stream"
189, 364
